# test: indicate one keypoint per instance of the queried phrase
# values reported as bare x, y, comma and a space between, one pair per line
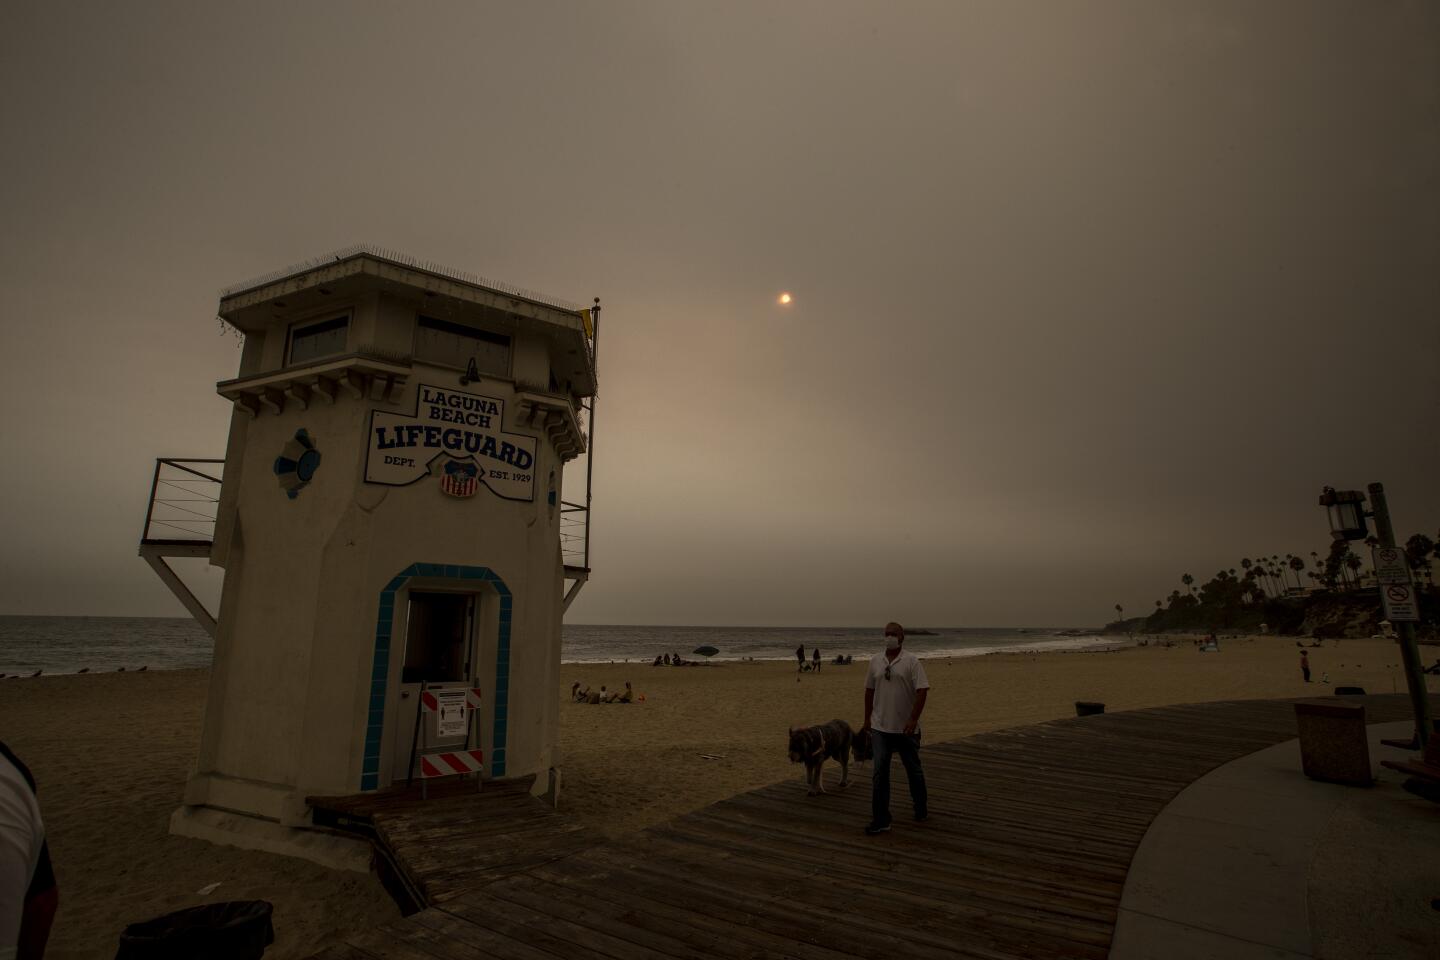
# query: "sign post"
1392, 570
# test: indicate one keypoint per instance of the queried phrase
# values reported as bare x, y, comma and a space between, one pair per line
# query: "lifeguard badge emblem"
297, 463
460, 478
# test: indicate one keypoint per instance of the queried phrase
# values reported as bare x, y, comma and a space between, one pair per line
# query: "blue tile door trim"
380, 665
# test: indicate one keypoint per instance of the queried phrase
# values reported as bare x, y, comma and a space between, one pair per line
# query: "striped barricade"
450, 763
428, 701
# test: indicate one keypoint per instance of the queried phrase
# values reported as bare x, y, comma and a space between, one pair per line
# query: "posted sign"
449, 713
1399, 602
1391, 565
456, 425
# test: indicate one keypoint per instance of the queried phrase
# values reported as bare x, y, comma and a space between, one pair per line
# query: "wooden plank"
521, 922
471, 939
596, 915
772, 901
711, 936
1058, 915
989, 879
342, 951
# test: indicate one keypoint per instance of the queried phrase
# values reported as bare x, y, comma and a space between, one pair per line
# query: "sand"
111, 753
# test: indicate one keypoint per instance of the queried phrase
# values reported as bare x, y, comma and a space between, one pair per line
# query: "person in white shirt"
28, 895
895, 692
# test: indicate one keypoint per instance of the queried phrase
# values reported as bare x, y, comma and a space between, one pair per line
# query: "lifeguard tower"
389, 518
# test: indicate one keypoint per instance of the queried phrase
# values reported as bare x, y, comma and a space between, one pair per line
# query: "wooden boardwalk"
1031, 833
430, 851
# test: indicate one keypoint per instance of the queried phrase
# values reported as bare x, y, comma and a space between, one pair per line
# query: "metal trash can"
1333, 743
1088, 708
237, 930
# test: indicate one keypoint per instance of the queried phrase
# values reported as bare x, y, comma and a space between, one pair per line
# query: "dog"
814, 745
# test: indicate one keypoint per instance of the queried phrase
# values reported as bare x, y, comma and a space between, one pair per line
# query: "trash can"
1333, 743
237, 930
1088, 708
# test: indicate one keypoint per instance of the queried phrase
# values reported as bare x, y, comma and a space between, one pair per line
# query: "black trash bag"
238, 930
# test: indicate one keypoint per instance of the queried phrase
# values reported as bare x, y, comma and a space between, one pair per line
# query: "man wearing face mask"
895, 692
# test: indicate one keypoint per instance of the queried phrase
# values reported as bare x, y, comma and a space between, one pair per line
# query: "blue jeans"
886, 745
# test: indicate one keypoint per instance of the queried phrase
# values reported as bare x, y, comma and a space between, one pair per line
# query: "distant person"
895, 693
628, 696
28, 895
1305, 665
800, 657
816, 659
667, 659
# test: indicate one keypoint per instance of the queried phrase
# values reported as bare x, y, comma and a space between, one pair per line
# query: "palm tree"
1354, 563
1187, 580
1120, 611
1297, 565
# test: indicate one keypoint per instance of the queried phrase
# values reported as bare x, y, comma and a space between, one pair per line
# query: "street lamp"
1347, 522
1347, 515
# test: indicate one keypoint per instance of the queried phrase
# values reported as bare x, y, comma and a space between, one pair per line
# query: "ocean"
105, 644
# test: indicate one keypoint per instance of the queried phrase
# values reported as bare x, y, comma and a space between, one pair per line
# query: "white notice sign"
1399, 602
1391, 565
449, 713
451, 425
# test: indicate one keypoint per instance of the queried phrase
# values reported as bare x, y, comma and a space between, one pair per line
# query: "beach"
111, 753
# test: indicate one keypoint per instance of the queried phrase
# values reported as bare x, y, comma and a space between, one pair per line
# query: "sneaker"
875, 828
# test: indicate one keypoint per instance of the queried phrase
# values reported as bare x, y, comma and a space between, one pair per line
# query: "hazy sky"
1088, 294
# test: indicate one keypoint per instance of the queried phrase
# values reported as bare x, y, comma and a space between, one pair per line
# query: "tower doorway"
440, 652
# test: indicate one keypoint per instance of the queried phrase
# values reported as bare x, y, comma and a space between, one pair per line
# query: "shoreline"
1051, 644
1064, 645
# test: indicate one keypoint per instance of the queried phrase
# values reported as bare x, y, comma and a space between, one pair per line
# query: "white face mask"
892, 642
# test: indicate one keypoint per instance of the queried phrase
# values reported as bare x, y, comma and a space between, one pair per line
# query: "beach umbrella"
706, 651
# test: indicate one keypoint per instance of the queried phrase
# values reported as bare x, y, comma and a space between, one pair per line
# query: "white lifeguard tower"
389, 519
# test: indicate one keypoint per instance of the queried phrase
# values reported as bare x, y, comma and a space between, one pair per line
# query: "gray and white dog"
814, 745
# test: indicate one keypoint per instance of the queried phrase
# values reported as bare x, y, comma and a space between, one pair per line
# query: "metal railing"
184, 498
574, 531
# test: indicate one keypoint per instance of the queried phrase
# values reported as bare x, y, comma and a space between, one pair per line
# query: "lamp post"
1347, 522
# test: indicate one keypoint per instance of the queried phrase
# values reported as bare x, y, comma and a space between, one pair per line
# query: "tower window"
454, 345
315, 340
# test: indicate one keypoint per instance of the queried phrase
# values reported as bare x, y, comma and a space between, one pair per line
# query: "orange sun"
784, 299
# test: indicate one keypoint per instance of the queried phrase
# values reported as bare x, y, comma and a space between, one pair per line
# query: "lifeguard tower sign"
450, 425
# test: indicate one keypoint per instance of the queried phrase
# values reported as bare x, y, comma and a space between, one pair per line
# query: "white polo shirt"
21, 834
895, 697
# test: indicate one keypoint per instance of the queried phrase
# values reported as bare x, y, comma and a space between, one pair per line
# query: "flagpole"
590, 445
